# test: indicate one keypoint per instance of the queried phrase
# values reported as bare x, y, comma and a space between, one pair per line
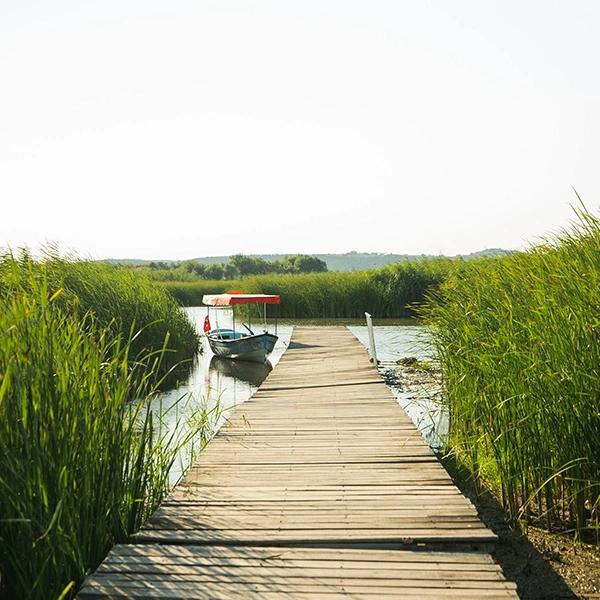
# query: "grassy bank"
519, 344
122, 300
80, 467
387, 292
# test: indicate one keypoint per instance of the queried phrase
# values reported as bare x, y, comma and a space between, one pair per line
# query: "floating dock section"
318, 487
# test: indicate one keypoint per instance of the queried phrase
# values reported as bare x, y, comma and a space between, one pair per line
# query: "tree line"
238, 265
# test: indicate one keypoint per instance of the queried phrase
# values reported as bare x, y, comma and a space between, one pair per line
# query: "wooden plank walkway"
319, 486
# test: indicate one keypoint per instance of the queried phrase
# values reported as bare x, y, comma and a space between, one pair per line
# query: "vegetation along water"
518, 339
81, 465
386, 292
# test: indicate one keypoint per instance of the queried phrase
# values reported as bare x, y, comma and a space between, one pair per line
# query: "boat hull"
253, 348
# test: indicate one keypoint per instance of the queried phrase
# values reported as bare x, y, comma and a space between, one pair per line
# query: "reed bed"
189, 293
388, 292
81, 468
120, 299
518, 339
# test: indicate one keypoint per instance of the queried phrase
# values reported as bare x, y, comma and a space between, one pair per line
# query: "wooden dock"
319, 486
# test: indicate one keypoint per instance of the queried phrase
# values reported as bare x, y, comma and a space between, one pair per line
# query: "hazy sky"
187, 128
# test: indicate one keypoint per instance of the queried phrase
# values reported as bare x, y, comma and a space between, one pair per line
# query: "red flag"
206, 324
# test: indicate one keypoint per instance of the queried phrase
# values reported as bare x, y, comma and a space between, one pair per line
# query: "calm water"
222, 384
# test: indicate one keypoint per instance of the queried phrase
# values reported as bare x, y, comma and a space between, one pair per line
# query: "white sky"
187, 128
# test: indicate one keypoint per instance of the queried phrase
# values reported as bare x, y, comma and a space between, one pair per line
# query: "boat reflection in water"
253, 373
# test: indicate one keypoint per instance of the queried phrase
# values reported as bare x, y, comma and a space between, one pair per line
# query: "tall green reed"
519, 340
120, 299
80, 467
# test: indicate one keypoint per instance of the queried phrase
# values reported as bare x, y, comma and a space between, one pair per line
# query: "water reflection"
239, 370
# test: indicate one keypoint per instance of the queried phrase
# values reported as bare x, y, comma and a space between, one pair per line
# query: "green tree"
248, 265
303, 263
214, 271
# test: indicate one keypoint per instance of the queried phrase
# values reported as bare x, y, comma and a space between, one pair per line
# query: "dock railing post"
372, 349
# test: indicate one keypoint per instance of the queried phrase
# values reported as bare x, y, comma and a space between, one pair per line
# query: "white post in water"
372, 350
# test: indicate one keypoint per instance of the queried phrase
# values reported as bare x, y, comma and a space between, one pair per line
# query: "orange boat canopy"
231, 299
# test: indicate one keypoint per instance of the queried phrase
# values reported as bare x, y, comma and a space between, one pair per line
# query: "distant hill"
350, 261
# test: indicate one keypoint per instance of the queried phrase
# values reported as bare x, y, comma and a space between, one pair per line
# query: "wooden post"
372, 349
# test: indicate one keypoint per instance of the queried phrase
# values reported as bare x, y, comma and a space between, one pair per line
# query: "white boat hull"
253, 348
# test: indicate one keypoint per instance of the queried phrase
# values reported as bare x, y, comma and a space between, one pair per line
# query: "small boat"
229, 343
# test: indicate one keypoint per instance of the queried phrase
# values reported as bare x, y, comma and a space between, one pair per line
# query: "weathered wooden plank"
338, 536
247, 572
267, 553
292, 580
99, 590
